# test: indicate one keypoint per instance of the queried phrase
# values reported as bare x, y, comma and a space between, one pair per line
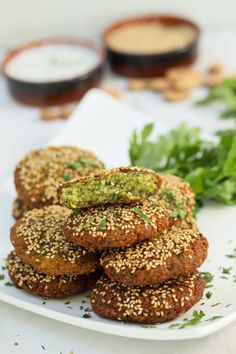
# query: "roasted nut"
65, 112
188, 81
175, 96
214, 80
137, 84
113, 92
216, 68
158, 84
174, 74
48, 114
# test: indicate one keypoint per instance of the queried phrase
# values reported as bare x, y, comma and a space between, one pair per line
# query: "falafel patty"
39, 240
178, 251
40, 172
19, 209
151, 304
177, 196
109, 226
50, 286
124, 185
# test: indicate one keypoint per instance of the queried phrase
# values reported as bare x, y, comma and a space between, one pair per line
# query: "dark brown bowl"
55, 92
151, 65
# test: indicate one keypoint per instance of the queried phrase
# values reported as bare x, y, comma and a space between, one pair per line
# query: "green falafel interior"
124, 185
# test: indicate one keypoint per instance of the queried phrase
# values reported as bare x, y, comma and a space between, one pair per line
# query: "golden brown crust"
39, 240
178, 251
38, 175
151, 304
116, 226
27, 278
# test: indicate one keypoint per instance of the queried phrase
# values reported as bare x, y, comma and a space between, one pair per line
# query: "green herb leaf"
86, 315
208, 295
141, 214
214, 305
225, 93
196, 319
67, 177
102, 225
208, 277
226, 270
233, 255
214, 318
209, 167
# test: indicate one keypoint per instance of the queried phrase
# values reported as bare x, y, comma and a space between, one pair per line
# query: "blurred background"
24, 20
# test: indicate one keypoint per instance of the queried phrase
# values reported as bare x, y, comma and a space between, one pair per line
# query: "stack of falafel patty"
44, 262
74, 217
142, 224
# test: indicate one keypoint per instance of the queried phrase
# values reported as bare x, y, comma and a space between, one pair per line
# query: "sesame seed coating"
123, 185
39, 173
177, 251
177, 196
150, 304
39, 240
117, 225
109, 226
27, 278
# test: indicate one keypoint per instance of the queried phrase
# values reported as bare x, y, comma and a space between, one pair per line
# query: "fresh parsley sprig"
209, 167
224, 93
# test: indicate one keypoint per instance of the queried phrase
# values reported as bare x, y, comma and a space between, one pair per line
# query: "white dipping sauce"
52, 62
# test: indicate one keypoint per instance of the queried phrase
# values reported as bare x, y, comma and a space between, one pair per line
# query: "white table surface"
22, 130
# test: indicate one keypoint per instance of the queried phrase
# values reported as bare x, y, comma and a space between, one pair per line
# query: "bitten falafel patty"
49, 286
39, 240
124, 185
151, 304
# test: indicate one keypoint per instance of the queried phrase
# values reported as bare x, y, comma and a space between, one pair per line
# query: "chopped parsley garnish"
67, 177
2, 276
141, 214
209, 167
208, 277
196, 319
16, 343
102, 225
67, 302
86, 315
214, 318
224, 93
8, 284
208, 295
214, 305
233, 255
178, 214
224, 277
84, 162
42, 346
226, 270
228, 305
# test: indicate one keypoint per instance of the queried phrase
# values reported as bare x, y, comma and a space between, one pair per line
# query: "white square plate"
104, 125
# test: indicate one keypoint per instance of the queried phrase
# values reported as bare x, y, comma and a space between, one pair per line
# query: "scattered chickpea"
175, 96
214, 80
158, 84
137, 84
216, 68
